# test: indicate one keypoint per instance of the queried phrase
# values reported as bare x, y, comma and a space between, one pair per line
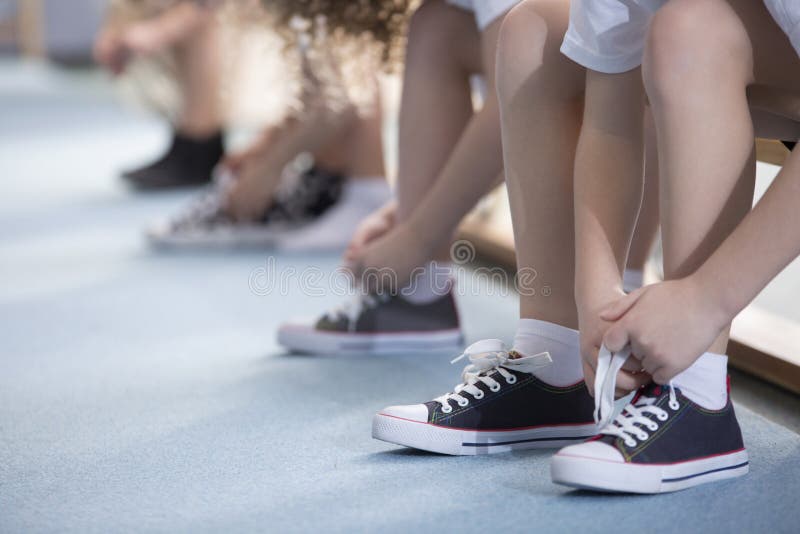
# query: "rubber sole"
610, 476
460, 442
309, 340
242, 238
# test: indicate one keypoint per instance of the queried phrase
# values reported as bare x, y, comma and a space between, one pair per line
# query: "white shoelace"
486, 356
625, 424
353, 308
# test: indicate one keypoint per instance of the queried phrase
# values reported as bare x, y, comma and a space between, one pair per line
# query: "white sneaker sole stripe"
454, 441
314, 341
604, 475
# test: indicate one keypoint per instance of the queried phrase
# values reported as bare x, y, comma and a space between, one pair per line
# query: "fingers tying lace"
629, 425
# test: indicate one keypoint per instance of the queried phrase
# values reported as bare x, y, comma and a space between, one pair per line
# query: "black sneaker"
188, 162
377, 324
307, 195
500, 406
661, 442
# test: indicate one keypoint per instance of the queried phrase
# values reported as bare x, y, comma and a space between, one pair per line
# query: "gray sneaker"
377, 324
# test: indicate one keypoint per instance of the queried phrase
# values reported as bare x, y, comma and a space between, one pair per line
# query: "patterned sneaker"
500, 406
661, 442
374, 324
305, 196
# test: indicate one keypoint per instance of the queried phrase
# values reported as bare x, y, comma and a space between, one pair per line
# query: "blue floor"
145, 392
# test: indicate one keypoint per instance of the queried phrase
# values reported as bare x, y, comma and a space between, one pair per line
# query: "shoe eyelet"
630, 443
652, 427
479, 395
674, 405
447, 409
642, 436
511, 380
662, 416
463, 403
495, 388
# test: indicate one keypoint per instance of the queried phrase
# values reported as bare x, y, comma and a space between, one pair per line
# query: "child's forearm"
765, 242
608, 181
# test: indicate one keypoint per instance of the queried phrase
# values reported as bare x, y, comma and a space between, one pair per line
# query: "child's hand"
110, 51
593, 328
115, 48
143, 39
250, 194
377, 225
668, 325
397, 254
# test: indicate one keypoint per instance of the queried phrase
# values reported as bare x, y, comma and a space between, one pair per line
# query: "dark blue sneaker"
661, 442
500, 406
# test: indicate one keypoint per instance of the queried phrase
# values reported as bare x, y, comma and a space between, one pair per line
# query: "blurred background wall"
60, 29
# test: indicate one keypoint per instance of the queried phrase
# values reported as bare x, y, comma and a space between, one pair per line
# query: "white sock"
632, 279
429, 283
334, 228
706, 381
534, 337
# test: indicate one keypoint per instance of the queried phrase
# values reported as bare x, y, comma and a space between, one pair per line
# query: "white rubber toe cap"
596, 450
411, 412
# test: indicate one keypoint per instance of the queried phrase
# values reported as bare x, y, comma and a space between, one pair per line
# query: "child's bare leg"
540, 92
190, 32
702, 199
671, 324
436, 105
357, 152
198, 58
444, 146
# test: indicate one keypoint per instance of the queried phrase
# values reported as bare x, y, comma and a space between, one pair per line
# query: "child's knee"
433, 25
688, 38
526, 41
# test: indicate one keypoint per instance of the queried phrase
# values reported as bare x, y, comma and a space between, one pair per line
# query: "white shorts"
486, 11
609, 35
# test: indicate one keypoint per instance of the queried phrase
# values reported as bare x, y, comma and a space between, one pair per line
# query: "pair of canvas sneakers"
661, 441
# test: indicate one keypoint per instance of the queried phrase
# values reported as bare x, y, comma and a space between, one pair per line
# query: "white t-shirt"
609, 35
486, 11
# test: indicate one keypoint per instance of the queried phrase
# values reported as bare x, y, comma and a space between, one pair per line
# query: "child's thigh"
440, 31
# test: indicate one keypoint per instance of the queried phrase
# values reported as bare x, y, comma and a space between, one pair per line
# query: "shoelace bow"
353, 308
486, 356
627, 424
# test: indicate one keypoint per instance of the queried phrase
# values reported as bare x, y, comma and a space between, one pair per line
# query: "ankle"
562, 343
198, 130
706, 381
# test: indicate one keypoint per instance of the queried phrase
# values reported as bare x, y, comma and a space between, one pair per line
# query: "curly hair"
382, 22
328, 52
